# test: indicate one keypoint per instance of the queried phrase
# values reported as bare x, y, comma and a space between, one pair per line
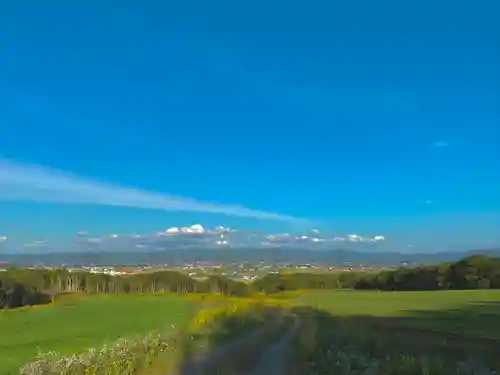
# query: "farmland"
75, 323
472, 313
438, 332
399, 321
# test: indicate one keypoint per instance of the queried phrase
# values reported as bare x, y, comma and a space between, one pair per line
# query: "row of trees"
20, 287
474, 272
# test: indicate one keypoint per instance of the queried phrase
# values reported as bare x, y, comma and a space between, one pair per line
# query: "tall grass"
124, 357
76, 323
213, 326
325, 343
326, 346
236, 336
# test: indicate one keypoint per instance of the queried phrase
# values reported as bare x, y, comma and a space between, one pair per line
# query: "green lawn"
470, 313
78, 322
75, 324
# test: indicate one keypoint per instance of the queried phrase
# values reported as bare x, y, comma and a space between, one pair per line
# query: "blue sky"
364, 117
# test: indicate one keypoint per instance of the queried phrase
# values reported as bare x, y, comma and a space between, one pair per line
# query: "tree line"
473, 272
20, 287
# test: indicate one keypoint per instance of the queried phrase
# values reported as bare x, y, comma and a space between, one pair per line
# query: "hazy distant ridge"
278, 255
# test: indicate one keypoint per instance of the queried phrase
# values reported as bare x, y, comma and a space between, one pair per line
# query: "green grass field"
77, 323
442, 320
467, 313
346, 302
439, 332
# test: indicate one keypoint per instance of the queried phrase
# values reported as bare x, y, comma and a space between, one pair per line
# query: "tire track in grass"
199, 365
273, 361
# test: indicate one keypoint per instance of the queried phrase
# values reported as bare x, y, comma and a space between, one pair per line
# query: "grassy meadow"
77, 322
428, 332
471, 313
354, 302
368, 332
349, 328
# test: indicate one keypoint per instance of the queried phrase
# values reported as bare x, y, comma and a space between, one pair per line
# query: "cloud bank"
36, 183
198, 237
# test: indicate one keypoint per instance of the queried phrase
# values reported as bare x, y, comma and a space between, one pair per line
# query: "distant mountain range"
295, 256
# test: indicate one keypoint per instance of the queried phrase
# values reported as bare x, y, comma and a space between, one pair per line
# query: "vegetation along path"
274, 359
199, 365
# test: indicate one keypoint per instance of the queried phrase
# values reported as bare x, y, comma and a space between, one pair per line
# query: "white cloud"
42, 184
354, 238
198, 236
359, 238
193, 229
286, 238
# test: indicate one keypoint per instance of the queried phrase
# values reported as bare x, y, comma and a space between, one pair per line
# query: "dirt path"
198, 365
274, 359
